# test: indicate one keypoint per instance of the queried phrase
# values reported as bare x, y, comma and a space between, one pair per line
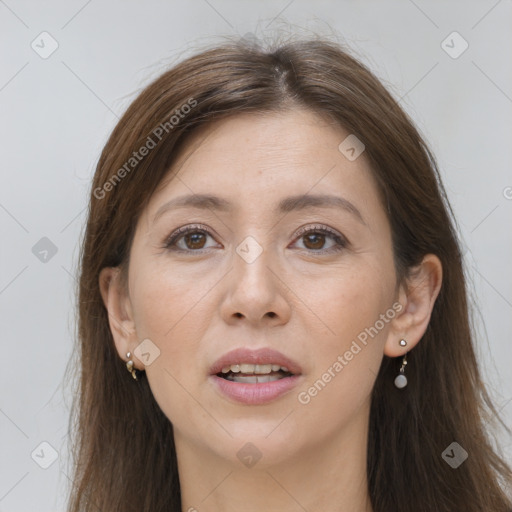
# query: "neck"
330, 476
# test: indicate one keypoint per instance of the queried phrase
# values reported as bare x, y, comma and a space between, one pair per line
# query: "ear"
120, 314
417, 296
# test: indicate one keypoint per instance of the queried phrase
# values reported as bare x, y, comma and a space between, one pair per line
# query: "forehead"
266, 155
292, 137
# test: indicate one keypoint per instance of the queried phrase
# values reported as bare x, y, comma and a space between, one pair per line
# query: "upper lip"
260, 356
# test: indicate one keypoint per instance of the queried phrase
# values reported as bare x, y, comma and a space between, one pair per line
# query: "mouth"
248, 373
254, 377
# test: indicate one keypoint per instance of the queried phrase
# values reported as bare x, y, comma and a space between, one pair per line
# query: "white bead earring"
401, 379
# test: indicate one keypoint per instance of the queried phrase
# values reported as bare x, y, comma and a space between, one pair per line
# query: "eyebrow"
286, 205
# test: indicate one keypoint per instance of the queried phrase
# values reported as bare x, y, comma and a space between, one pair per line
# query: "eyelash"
171, 240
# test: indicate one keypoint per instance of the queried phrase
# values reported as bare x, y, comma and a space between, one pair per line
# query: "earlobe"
120, 317
417, 296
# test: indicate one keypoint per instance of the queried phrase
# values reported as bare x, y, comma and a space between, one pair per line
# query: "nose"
256, 292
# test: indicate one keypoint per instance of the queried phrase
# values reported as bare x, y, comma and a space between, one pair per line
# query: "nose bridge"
251, 261
254, 288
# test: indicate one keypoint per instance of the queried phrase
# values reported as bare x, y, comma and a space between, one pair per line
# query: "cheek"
173, 310
168, 303
350, 301
166, 311
356, 311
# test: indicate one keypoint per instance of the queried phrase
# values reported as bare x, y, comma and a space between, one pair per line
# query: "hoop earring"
401, 379
129, 366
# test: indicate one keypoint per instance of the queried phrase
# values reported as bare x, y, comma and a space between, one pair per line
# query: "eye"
314, 239
193, 239
188, 239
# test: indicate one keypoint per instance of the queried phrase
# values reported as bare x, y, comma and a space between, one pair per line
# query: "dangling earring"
129, 366
401, 379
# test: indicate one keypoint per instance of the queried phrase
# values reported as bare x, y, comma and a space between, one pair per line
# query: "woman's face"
292, 254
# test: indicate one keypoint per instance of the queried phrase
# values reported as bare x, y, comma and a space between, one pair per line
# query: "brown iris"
195, 240
317, 238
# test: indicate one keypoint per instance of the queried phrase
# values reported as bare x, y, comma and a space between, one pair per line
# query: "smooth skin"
205, 300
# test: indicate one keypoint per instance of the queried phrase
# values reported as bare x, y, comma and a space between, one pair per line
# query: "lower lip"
255, 394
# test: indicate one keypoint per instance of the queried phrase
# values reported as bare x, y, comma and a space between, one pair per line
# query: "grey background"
57, 113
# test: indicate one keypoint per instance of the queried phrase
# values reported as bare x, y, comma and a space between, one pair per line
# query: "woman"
271, 255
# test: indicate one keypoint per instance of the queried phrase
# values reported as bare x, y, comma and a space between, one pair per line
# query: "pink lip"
255, 394
260, 393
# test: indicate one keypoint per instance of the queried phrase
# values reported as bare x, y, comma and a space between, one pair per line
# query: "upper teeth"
254, 368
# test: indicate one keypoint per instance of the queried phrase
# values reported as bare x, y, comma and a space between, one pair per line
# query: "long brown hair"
124, 453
